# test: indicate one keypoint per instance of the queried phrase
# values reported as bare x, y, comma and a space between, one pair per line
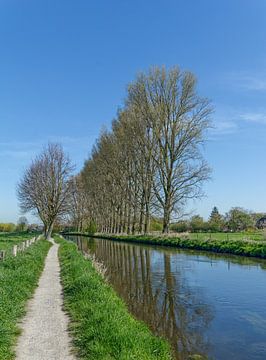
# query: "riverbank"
251, 248
19, 278
101, 325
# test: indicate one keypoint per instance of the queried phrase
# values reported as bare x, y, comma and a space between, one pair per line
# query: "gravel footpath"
44, 328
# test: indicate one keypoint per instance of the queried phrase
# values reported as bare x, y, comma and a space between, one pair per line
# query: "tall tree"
45, 186
178, 119
216, 221
239, 219
78, 209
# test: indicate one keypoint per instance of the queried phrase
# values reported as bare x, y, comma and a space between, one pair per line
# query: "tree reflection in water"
155, 294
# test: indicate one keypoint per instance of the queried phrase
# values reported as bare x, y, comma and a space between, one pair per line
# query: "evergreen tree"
216, 220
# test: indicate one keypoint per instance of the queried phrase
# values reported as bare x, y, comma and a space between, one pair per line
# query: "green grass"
236, 246
18, 279
256, 236
7, 240
101, 325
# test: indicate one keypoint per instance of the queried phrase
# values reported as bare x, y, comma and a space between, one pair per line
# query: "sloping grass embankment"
101, 325
18, 278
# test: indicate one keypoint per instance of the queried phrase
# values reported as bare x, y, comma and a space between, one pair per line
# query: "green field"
8, 240
256, 236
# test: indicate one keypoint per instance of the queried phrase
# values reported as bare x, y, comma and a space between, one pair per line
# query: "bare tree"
78, 210
178, 119
45, 187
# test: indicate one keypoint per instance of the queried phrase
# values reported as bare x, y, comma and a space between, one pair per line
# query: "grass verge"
251, 248
18, 278
101, 325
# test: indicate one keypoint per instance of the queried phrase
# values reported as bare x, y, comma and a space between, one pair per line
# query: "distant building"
261, 223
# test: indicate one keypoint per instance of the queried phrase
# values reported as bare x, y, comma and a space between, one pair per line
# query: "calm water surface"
207, 304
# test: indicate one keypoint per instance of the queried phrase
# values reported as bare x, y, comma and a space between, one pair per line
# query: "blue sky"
64, 67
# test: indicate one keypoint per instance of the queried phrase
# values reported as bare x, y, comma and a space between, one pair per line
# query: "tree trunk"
166, 220
49, 231
147, 219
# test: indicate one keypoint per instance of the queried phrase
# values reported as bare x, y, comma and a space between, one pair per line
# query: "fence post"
2, 255
15, 249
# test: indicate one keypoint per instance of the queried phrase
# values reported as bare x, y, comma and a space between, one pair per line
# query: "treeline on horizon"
150, 163
235, 220
22, 225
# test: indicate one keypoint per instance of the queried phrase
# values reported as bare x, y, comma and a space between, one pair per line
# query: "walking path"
44, 328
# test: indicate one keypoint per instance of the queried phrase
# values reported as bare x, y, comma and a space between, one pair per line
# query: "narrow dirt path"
44, 328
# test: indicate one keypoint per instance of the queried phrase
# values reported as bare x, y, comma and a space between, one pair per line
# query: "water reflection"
188, 297
161, 299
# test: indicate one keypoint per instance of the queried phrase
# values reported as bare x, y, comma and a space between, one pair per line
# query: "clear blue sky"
64, 66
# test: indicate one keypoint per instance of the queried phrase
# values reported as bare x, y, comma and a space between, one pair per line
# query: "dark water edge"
202, 303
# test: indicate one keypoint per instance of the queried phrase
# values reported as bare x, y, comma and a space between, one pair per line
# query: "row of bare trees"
149, 163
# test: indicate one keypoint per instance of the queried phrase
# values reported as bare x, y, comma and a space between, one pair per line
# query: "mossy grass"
101, 326
18, 279
243, 247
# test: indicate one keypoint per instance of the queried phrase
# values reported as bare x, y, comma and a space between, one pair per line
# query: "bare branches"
151, 161
45, 187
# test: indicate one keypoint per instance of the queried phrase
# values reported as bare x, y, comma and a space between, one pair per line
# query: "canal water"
202, 303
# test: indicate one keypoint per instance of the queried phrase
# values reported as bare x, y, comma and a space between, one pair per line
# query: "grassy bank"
18, 279
244, 247
101, 326
8, 240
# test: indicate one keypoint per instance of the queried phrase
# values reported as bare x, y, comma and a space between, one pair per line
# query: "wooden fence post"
15, 249
2, 255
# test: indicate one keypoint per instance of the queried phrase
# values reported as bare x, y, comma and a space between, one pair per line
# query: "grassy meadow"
256, 236
8, 240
